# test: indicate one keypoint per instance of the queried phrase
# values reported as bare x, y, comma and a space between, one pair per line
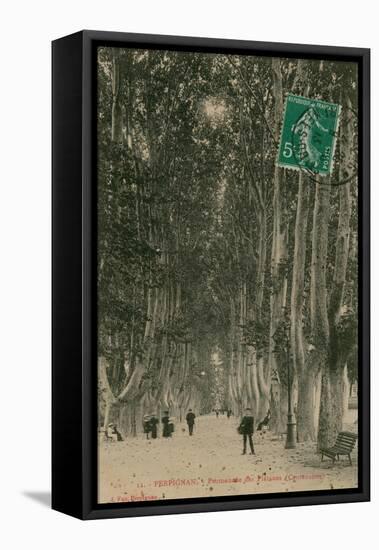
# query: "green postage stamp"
309, 134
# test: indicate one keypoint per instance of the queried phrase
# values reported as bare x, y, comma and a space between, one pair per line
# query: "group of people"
112, 433
246, 428
151, 421
150, 426
228, 412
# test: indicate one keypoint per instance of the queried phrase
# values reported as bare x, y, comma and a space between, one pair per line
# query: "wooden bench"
344, 445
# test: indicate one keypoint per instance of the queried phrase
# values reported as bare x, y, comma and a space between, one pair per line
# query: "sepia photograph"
187, 300
227, 274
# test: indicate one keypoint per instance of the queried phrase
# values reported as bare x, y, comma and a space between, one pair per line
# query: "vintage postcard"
227, 274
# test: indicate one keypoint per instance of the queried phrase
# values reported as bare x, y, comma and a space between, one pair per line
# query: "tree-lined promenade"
221, 276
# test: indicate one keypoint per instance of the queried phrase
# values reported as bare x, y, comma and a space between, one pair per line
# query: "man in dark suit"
246, 428
190, 418
146, 425
166, 424
153, 425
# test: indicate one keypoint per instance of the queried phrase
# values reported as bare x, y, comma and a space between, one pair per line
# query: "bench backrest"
346, 441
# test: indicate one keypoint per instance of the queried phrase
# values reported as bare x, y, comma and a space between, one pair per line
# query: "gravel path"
211, 464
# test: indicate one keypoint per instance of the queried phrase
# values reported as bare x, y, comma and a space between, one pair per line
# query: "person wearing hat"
166, 424
246, 429
190, 418
153, 425
146, 425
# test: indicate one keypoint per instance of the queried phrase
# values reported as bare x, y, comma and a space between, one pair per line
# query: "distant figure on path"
171, 425
166, 425
153, 425
246, 428
146, 425
228, 413
217, 413
190, 418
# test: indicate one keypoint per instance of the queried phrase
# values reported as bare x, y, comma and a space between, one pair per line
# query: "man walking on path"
190, 421
246, 428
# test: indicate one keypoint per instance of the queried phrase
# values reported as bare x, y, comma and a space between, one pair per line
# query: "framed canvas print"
210, 274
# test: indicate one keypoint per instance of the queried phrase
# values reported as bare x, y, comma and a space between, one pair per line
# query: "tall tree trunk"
317, 357
279, 251
117, 125
332, 388
305, 424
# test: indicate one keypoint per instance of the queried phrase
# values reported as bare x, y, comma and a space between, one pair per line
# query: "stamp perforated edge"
336, 127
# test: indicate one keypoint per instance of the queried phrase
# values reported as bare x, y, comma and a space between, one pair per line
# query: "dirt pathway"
211, 464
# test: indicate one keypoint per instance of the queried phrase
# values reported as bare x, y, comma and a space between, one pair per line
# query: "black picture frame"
74, 460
